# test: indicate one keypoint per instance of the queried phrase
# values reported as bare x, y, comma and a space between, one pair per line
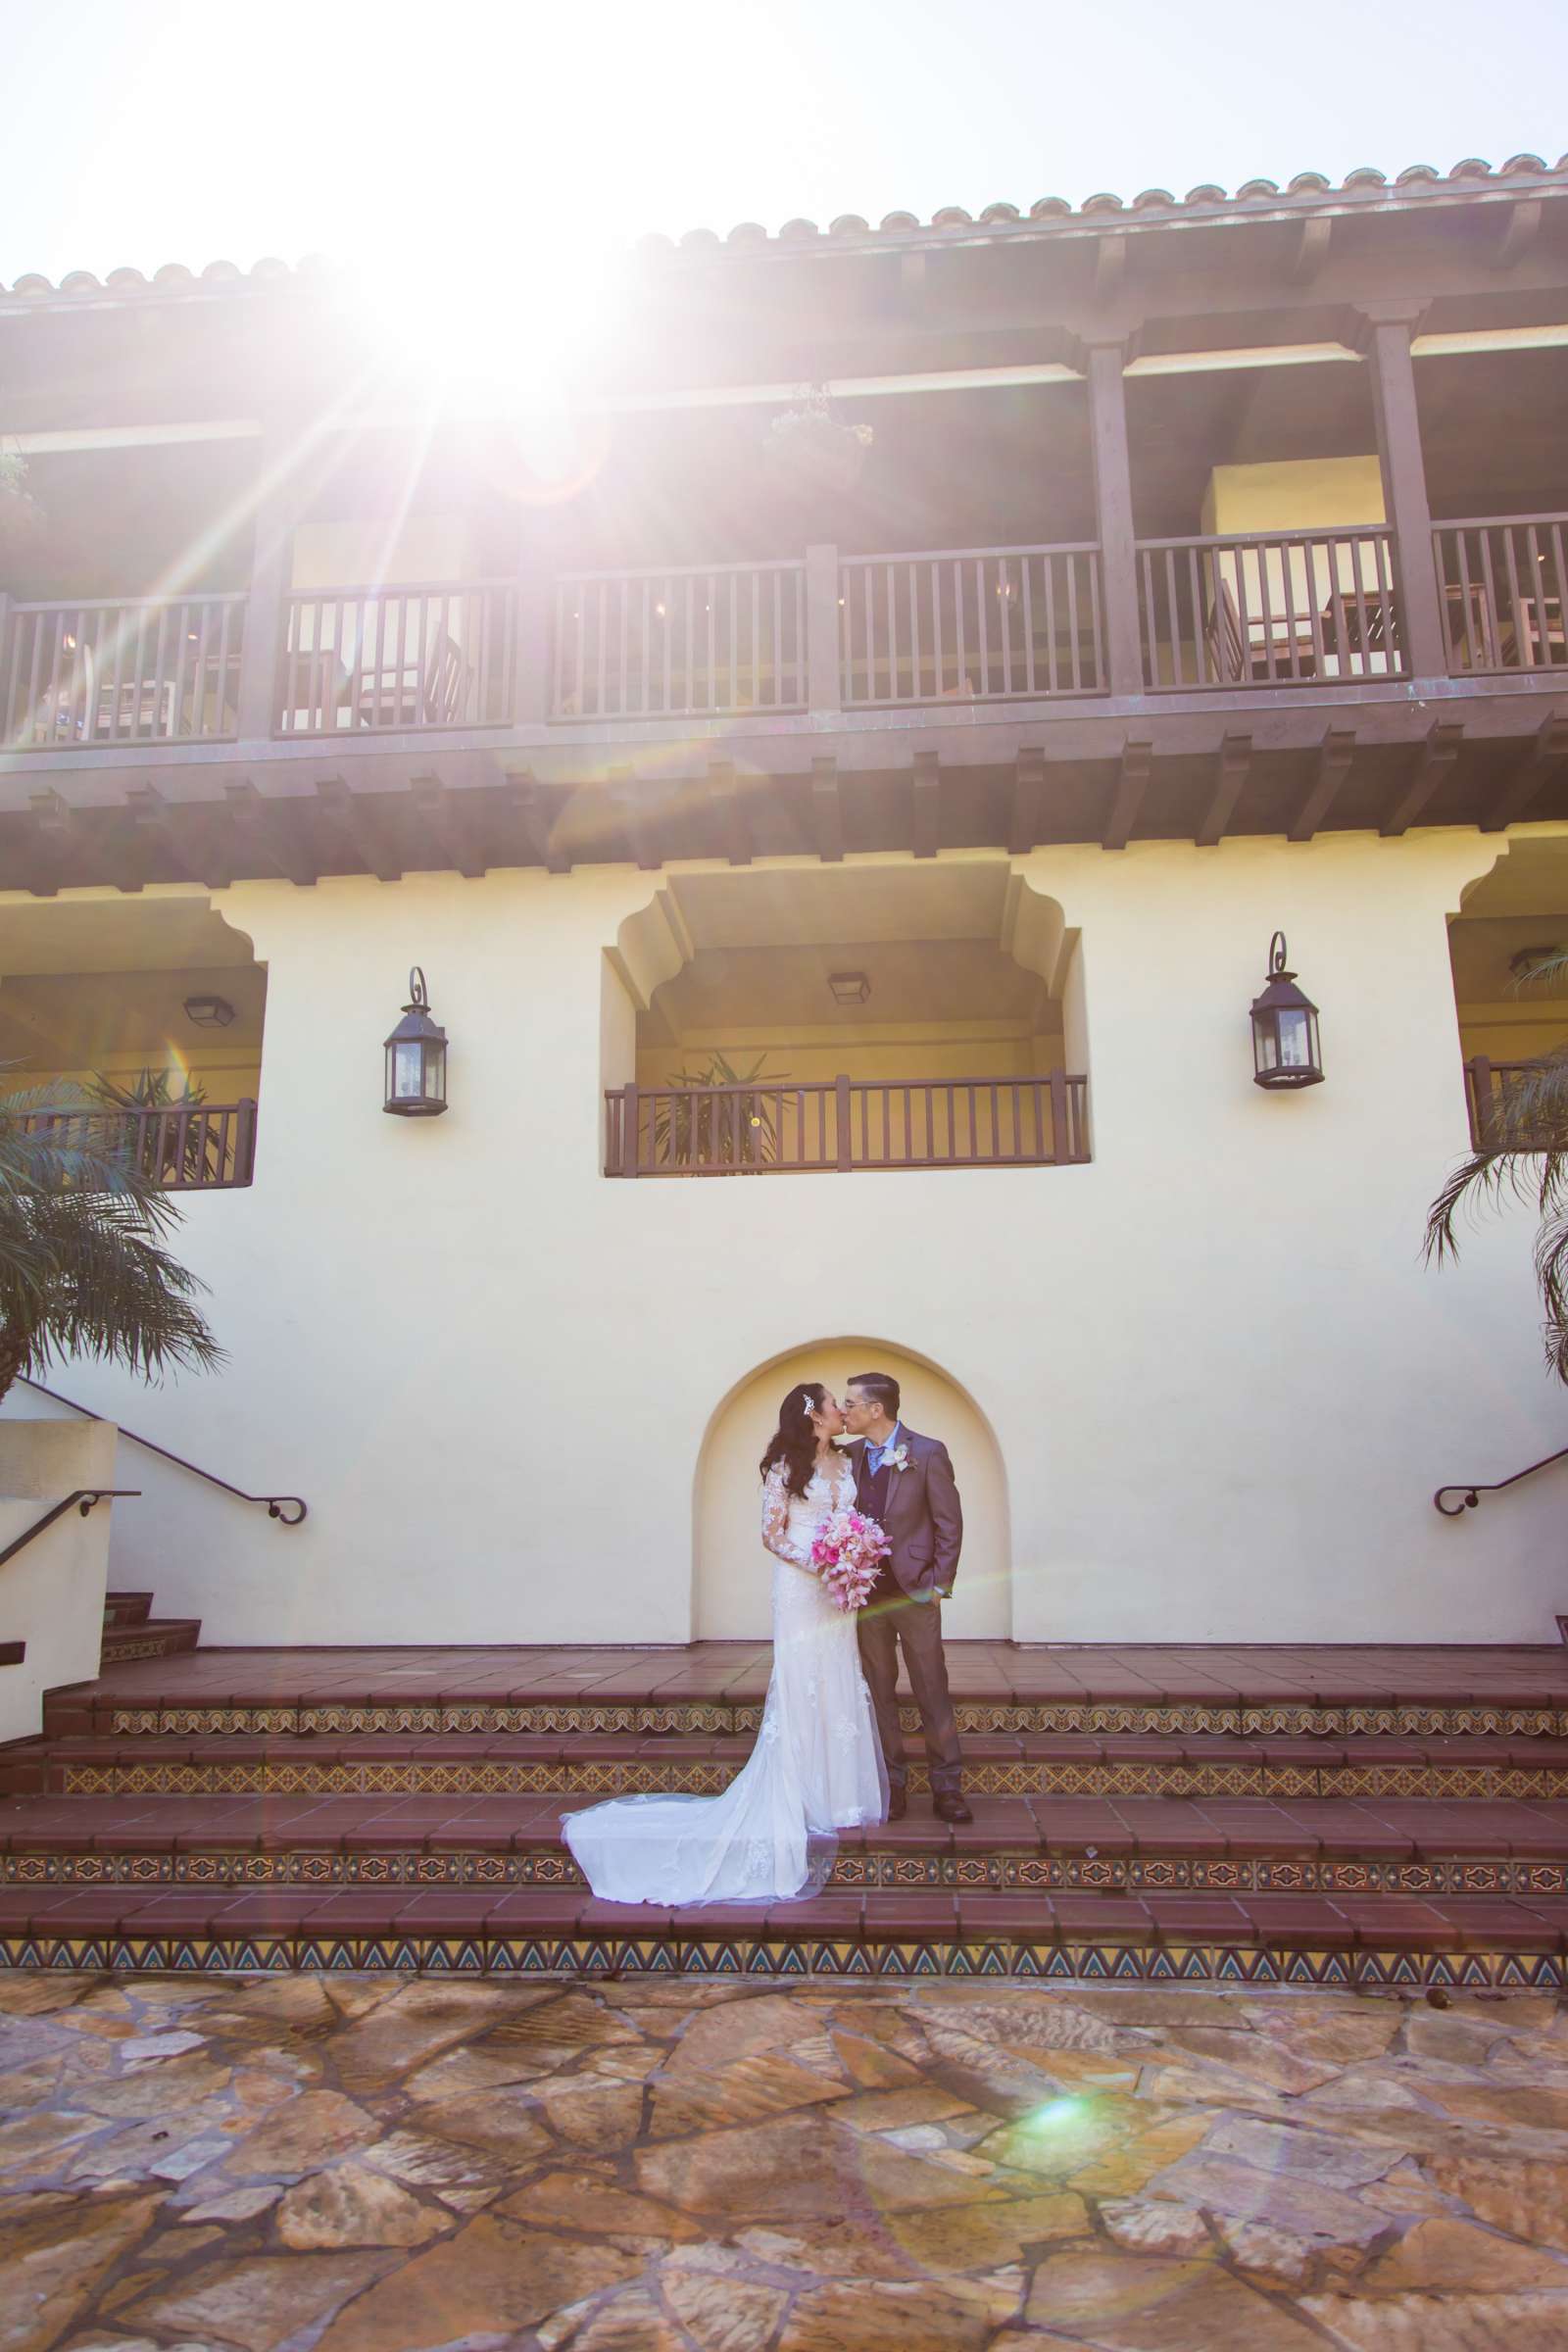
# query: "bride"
816, 1766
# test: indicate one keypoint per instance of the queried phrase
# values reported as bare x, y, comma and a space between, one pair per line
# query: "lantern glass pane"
1295, 1041
407, 1070
435, 1074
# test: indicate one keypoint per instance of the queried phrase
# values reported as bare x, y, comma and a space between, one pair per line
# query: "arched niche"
732, 1573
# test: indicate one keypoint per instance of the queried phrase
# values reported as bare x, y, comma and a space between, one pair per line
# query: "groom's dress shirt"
876, 1455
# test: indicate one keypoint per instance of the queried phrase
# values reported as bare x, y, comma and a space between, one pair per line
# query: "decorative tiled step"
1025, 1765
1014, 1845
150, 1637
716, 1688
533, 1931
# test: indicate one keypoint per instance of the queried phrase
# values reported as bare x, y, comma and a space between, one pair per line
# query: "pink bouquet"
847, 1551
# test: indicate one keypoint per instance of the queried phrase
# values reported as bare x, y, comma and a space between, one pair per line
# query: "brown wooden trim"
1310, 252
827, 816
926, 828
269, 833
1028, 797
1404, 489
1333, 767
633, 796
730, 809
1520, 229
1432, 763
1531, 770
448, 820
1232, 762
1114, 509
1132, 783
351, 819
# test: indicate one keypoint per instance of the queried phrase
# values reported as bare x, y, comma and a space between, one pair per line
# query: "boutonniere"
898, 1459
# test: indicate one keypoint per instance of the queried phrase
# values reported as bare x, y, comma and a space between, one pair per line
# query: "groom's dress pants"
891, 1618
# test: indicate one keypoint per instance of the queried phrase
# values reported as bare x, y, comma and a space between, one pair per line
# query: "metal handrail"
82, 1497
275, 1502
1469, 1496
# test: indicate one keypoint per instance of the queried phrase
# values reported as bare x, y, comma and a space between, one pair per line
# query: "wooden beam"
1110, 266
927, 815
730, 811
1529, 773
1388, 332
449, 819
540, 826
1232, 764
633, 801
153, 828
1313, 241
827, 816
1137, 761
1432, 763
913, 277
1520, 230
1334, 759
1113, 520
1027, 821
350, 814
271, 833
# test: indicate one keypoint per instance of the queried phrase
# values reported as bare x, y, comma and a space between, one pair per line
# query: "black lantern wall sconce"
416, 1058
1286, 1049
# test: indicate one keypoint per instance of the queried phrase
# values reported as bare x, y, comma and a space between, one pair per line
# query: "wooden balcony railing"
1502, 584
129, 670
397, 661
1491, 1090
181, 1148
843, 1125
680, 644
971, 624
1283, 608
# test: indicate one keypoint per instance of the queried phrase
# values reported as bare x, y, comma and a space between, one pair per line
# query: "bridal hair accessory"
847, 1551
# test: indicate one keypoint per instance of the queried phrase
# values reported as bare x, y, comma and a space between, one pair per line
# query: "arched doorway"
731, 1576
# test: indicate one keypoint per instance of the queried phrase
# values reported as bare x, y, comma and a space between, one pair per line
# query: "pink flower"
848, 1551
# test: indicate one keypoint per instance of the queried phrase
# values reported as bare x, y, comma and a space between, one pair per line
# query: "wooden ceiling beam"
827, 813
350, 816
450, 821
1520, 230
1110, 266
1232, 765
926, 828
1432, 764
729, 808
271, 834
49, 845
1137, 763
540, 826
1529, 773
633, 801
1334, 759
156, 834
1026, 820
1313, 238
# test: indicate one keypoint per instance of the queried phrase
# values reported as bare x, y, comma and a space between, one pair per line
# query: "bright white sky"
516, 138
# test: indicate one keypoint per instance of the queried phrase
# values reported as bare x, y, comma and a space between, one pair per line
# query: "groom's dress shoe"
949, 1806
897, 1804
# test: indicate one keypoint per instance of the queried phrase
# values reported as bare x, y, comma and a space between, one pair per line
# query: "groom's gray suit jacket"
921, 1514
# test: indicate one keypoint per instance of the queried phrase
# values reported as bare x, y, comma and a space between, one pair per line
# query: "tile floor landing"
367, 2164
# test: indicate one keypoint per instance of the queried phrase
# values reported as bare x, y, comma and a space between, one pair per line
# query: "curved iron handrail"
275, 1503
1469, 1496
82, 1497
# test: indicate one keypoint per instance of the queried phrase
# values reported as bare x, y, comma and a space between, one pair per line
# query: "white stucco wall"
1222, 1384
52, 1591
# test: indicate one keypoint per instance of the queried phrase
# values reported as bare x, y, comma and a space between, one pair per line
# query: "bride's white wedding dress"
816, 1766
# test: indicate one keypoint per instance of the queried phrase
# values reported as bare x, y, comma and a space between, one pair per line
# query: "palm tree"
82, 1267
1522, 1156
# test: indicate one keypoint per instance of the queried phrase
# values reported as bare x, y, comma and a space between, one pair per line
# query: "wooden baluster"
1061, 1142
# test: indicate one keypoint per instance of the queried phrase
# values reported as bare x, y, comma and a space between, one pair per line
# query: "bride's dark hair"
794, 1442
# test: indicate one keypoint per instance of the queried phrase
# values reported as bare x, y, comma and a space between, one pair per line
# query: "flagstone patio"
373, 2164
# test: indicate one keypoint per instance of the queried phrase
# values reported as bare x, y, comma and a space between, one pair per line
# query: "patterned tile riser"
596, 1956
1003, 1873
978, 1717
984, 1777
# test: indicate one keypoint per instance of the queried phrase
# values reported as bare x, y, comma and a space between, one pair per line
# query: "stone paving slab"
351, 2163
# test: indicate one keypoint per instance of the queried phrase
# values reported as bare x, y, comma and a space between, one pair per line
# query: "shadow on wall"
732, 1573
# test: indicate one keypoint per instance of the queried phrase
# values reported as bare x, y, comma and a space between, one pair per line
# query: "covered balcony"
823, 1022
153, 1011
1512, 1006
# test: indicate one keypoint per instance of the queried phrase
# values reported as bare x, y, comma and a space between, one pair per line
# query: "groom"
906, 1483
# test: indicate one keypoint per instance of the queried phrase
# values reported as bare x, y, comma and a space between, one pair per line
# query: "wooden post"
533, 635
1113, 509
1481, 1097
261, 653
629, 1129
1404, 488
1060, 1131
824, 682
841, 1121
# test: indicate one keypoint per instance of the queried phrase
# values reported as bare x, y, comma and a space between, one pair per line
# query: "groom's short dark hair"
878, 1387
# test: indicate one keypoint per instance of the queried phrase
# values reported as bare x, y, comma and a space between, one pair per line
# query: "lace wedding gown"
816, 1766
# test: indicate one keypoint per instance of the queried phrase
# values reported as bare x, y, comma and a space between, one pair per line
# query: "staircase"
131, 1632
1335, 1816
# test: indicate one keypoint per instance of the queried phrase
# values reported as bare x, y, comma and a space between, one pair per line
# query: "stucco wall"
1221, 1381
52, 1591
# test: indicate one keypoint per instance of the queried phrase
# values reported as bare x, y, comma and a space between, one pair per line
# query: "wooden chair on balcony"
436, 696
